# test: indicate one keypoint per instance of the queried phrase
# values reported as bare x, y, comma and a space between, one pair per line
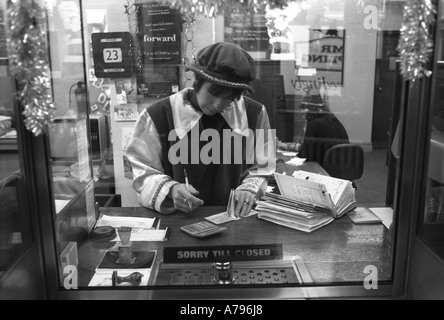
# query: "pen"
188, 186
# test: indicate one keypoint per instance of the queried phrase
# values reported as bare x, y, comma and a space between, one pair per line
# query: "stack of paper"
341, 192
307, 201
147, 235
285, 212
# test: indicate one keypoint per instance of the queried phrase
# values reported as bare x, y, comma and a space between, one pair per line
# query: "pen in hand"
188, 187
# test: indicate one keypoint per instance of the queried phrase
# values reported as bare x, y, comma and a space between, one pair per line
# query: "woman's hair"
217, 90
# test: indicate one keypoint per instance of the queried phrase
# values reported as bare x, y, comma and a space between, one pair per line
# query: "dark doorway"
384, 88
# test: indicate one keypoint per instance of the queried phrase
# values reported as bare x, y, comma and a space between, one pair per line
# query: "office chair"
345, 161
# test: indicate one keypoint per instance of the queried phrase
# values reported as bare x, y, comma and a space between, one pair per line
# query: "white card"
224, 217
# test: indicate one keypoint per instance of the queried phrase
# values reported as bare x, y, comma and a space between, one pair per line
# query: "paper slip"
60, 205
296, 162
224, 217
385, 214
270, 189
132, 222
289, 154
147, 235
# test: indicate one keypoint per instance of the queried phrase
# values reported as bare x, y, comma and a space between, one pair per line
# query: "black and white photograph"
225, 158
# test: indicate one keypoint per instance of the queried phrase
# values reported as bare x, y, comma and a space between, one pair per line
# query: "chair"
344, 161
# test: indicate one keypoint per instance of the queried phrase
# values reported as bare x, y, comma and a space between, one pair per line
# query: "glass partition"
317, 62
15, 224
69, 133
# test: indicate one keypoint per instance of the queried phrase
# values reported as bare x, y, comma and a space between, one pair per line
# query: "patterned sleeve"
255, 180
144, 152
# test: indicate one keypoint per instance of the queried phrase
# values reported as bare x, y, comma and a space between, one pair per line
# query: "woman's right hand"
184, 200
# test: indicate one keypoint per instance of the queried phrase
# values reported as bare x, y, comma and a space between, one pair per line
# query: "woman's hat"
313, 101
225, 64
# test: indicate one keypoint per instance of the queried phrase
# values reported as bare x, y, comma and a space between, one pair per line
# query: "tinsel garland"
29, 63
213, 8
416, 42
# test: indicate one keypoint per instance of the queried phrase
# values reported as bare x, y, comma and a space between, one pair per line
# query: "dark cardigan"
213, 181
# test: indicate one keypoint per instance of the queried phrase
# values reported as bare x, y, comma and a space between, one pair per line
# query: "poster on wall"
158, 81
326, 52
160, 30
160, 37
248, 31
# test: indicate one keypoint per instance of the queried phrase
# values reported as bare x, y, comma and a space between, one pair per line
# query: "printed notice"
90, 205
82, 148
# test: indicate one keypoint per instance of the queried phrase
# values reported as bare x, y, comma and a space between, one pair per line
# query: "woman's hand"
243, 203
184, 200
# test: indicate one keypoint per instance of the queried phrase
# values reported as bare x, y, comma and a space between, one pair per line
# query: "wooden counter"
338, 252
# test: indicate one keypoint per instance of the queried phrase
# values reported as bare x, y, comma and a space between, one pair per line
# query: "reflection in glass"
431, 228
15, 232
315, 48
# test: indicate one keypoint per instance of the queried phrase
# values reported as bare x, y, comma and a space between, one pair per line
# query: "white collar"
186, 116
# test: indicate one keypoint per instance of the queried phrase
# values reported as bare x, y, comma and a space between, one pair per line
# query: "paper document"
305, 190
335, 187
363, 215
60, 205
147, 235
385, 214
132, 222
224, 217
296, 162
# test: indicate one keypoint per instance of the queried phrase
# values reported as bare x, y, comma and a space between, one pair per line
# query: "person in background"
323, 130
173, 136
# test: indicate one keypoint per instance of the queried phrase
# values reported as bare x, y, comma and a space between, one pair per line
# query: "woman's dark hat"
313, 101
225, 64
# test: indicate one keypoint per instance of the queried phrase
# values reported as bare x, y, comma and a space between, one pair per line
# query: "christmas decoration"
213, 8
29, 63
416, 43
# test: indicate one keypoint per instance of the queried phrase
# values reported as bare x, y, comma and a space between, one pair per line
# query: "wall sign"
322, 52
247, 30
326, 50
160, 40
160, 31
223, 253
111, 52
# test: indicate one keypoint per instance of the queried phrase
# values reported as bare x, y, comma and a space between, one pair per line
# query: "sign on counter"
223, 253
